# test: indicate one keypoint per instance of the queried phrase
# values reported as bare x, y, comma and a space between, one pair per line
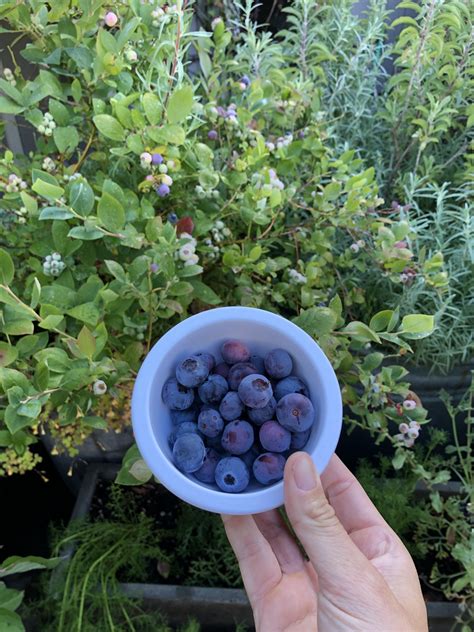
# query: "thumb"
335, 557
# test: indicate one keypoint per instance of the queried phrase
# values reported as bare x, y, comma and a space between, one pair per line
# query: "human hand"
359, 576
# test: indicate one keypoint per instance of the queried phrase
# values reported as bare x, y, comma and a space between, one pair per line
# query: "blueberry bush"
177, 169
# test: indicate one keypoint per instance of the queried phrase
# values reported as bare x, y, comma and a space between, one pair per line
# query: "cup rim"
191, 491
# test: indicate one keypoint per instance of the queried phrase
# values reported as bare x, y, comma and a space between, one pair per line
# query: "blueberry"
278, 363
295, 412
255, 391
260, 415
206, 473
232, 474
189, 452
290, 384
163, 190
222, 369
212, 134
180, 416
269, 467
185, 427
192, 371
213, 389
176, 396
234, 351
249, 457
299, 439
210, 423
237, 373
172, 218
156, 159
208, 358
258, 363
274, 437
238, 437
231, 406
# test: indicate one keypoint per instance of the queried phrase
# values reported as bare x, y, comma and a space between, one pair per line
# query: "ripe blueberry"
269, 467
274, 437
234, 351
255, 391
213, 389
278, 363
192, 371
176, 396
238, 437
232, 474
189, 452
295, 412
210, 423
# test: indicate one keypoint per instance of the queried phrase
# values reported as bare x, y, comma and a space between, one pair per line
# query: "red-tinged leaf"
185, 225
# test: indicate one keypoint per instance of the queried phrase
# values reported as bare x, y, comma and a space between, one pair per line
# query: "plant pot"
217, 609
102, 446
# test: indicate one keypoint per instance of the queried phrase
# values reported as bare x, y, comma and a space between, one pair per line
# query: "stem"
150, 312
84, 153
39, 395
32, 311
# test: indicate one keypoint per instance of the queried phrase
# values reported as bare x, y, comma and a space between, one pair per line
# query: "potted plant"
181, 564
153, 194
416, 129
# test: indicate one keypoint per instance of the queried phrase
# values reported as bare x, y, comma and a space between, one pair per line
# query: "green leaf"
372, 361
87, 234
181, 288
18, 327
381, 320
151, 105
16, 564
15, 422
110, 212
66, 138
95, 422
87, 313
47, 190
7, 269
316, 321
359, 331
75, 379
86, 342
51, 322
168, 134
29, 203
9, 107
134, 470
116, 270
35, 293
204, 293
56, 359
8, 354
31, 409
42, 376
109, 126
55, 212
416, 326
10, 621
10, 598
81, 197
59, 111
180, 104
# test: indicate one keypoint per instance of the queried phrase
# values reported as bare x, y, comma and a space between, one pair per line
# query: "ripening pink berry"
111, 19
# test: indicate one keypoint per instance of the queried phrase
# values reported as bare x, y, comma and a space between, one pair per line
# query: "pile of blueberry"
241, 417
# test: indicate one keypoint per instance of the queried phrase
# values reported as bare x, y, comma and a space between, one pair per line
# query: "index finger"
353, 507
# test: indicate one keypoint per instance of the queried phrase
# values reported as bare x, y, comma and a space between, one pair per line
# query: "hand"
359, 576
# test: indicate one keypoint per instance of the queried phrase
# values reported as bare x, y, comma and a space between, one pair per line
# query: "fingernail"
304, 473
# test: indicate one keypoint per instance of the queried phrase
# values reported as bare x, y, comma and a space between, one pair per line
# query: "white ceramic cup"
261, 331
